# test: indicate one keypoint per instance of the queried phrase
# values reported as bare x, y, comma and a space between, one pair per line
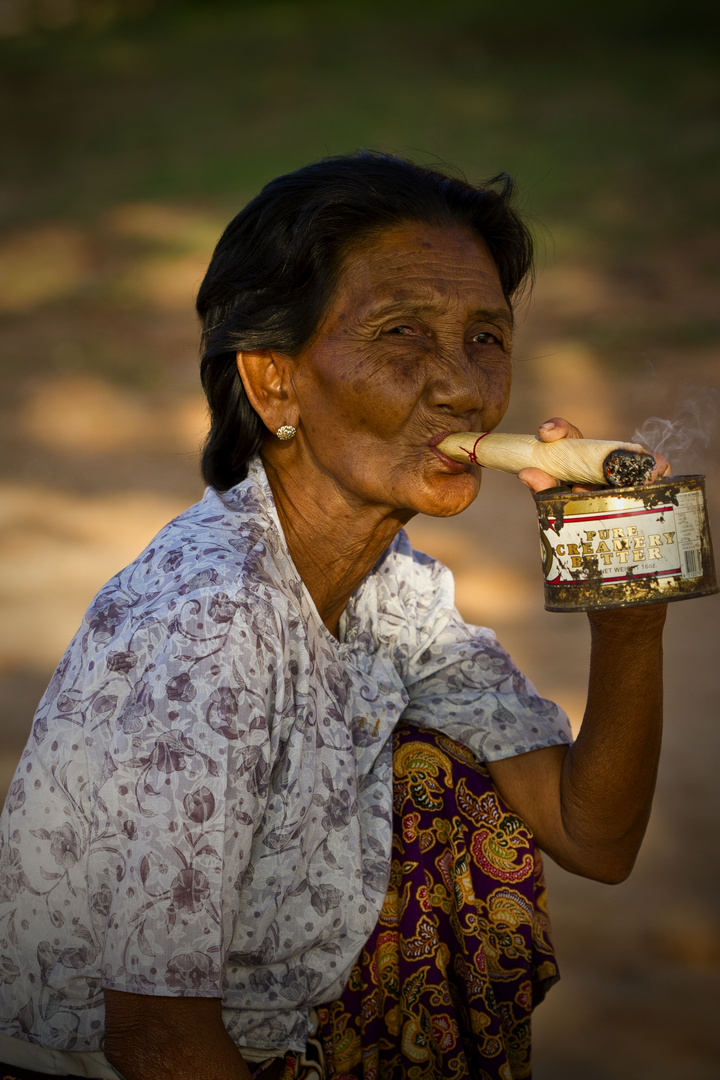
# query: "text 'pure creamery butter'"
621, 546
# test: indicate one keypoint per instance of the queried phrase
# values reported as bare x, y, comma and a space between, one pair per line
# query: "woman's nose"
454, 383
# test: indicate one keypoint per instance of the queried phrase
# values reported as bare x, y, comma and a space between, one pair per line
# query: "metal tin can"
617, 547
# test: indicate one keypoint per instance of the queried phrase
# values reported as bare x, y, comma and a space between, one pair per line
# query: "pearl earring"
286, 432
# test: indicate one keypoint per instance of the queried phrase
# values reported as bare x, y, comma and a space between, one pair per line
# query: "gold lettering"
589, 535
604, 534
632, 530
654, 540
575, 560
573, 550
669, 538
617, 533
620, 545
560, 549
639, 555
607, 559
602, 547
622, 557
654, 553
587, 549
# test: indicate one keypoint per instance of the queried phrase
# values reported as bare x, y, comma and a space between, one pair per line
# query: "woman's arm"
164, 1038
589, 805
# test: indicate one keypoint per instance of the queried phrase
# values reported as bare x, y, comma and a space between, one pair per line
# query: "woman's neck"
333, 545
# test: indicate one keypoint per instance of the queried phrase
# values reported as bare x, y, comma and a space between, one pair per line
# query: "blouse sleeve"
466, 685
458, 677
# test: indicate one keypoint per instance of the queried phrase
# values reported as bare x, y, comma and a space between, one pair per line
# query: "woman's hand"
552, 430
558, 428
166, 1038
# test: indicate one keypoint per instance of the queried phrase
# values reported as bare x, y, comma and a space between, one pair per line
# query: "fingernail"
547, 426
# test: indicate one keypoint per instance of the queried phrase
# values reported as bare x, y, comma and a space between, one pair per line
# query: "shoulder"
214, 574
219, 547
200, 614
220, 539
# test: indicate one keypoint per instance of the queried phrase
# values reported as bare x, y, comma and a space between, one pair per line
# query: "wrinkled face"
416, 344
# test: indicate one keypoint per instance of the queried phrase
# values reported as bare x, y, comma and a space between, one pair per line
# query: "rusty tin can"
624, 546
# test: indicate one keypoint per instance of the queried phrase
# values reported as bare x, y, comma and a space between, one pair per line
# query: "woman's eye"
401, 328
485, 337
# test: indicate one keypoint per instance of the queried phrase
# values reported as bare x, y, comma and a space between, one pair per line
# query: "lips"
450, 465
436, 439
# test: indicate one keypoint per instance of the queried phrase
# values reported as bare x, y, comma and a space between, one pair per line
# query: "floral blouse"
204, 805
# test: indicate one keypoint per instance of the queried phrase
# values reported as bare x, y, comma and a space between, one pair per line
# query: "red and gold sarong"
461, 954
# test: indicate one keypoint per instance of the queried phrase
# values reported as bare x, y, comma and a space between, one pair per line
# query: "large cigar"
571, 461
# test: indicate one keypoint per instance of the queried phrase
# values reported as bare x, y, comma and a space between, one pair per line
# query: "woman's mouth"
450, 465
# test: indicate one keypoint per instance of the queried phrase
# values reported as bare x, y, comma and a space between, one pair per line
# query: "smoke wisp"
683, 438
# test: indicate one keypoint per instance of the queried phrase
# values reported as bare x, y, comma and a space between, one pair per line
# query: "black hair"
274, 270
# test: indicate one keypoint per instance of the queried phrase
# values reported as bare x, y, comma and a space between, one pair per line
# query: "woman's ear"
266, 376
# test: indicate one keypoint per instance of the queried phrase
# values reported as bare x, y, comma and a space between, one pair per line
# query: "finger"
536, 479
558, 428
662, 467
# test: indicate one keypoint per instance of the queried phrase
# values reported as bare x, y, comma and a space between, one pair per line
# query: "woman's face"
416, 344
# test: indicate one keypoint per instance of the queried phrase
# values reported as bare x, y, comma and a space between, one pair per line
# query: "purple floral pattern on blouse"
204, 805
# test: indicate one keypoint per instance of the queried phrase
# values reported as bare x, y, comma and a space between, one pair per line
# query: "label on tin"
664, 541
688, 520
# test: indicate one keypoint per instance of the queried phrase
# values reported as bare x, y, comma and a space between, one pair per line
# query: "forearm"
157, 1038
608, 775
588, 805
164, 1060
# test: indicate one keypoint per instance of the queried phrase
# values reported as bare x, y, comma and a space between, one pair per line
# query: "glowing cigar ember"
570, 461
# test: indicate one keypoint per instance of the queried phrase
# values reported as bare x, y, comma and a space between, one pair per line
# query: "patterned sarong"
461, 953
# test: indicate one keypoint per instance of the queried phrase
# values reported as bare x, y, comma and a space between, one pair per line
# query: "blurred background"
131, 131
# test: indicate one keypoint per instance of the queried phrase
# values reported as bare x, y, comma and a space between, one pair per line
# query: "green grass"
205, 102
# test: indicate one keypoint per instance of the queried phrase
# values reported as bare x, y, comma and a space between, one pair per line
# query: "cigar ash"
625, 468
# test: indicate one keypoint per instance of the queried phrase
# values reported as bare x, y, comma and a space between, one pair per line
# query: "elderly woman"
199, 844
